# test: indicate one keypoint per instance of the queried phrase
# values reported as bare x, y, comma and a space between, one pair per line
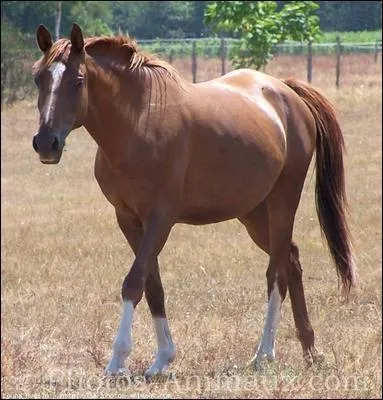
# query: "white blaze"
57, 70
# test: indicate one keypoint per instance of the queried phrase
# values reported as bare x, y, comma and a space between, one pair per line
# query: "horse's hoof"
259, 361
318, 358
161, 364
307, 357
313, 356
124, 372
259, 365
151, 373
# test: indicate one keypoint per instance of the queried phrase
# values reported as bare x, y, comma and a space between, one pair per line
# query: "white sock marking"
266, 347
122, 345
166, 349
57, 70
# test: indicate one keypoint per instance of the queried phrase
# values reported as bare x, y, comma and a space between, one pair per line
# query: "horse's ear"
44, 39
76, 38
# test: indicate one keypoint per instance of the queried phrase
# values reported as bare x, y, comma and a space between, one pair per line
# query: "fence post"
309, 61
376, 52
171, 56
194, 62
223, 56
338, 54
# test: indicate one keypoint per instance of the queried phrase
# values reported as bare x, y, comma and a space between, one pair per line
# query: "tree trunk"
58, 20
309, 62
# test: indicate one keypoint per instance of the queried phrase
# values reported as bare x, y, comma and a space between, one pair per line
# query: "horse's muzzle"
48, 147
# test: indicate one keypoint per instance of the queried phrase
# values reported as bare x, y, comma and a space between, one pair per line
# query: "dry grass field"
64, 259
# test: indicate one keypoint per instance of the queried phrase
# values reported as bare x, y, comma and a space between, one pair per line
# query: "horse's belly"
223, 191
221, 207
203, 214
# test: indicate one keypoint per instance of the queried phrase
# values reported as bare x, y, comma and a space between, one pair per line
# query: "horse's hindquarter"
237, 148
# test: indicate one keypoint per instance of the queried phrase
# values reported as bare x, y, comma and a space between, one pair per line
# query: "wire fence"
194, 58
225, 48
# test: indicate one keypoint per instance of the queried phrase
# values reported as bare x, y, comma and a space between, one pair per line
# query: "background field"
64, 259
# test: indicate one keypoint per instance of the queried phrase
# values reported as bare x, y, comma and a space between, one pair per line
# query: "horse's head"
63, 98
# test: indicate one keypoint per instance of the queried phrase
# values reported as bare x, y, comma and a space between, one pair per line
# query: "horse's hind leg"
305, 332
280, 226
257, 225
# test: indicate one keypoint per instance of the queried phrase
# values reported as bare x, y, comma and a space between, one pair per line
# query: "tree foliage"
171, 19
27, 15
149, 19
260, 26
94, 17
350, 15
16, 50
159, 19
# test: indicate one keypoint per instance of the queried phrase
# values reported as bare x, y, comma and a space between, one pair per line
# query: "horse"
169, 151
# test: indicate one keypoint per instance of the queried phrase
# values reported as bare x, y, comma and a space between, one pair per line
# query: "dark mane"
134, 59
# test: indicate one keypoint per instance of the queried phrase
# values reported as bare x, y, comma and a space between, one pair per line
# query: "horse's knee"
133, 286
294, 267
270, 274
294, 251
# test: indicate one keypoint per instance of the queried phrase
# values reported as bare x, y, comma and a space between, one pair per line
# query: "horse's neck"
121, 106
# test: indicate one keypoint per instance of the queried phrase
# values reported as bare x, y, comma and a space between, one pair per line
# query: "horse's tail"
330, 193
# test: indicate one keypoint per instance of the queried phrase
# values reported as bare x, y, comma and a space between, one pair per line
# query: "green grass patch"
351, 37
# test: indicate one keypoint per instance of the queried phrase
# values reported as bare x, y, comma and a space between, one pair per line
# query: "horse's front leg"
146, 242
154, 294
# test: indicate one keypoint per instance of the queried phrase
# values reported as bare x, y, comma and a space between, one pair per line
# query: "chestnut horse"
170, 151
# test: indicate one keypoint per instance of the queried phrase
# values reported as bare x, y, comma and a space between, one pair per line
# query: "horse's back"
244, 103
297, 120
290, 107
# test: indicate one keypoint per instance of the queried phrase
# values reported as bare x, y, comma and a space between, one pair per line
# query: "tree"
27, 15
94, 17
16, 52
163, 19
58, 20
350, 15
260, 26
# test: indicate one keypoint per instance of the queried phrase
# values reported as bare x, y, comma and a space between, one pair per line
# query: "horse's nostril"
55, 144
34, 144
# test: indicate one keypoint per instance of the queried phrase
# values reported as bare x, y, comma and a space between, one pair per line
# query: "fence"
223, 48
187, 55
